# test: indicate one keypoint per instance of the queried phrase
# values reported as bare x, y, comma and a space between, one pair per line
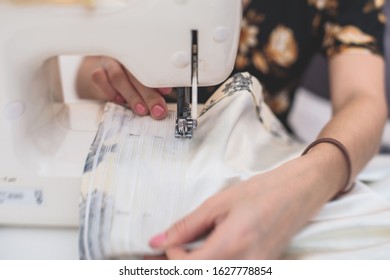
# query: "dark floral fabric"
279, 37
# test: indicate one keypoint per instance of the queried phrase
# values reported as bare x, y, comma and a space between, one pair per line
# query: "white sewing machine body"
44, 141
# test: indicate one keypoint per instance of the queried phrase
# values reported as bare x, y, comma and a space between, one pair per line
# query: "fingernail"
120, 99
158, 111
140, 109
158, 240
165, 90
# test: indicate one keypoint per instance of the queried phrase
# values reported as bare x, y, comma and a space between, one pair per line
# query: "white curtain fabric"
139, 179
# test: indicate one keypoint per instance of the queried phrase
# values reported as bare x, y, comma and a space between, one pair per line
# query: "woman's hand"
254, 219
118, 85
244, 221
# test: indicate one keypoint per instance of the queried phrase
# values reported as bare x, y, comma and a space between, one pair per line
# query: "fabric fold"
139, 179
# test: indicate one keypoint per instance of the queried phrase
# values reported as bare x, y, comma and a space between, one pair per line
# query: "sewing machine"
44, 140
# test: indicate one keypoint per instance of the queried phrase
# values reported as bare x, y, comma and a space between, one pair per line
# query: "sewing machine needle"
194, 107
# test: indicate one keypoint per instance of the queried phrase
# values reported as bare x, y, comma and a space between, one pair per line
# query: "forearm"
359, 116
306, 183
359, 124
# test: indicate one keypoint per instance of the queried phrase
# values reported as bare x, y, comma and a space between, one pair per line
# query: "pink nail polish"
140, 109
158, 111
158, 240
119, 99
165, 90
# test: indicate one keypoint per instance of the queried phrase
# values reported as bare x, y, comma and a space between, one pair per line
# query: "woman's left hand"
254, 219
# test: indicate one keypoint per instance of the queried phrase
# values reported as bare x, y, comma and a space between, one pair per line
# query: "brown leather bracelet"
348, 186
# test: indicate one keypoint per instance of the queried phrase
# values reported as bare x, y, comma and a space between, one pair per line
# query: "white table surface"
38, 244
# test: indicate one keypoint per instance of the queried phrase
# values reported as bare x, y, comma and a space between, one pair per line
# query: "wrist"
330, 163
348, 185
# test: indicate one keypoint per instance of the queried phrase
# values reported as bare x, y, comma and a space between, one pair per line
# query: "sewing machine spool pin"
186, 121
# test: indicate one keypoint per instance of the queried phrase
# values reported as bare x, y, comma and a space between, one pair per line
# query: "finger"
177, 253
162, 257
216, 246
185, 230
119, 81
165, 91
100, 78
119, 98
152, 97
237, 236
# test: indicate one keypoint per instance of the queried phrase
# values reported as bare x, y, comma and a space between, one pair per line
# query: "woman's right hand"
120, 86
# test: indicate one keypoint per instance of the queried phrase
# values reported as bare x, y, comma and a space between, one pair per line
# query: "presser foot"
185, 127
185, 123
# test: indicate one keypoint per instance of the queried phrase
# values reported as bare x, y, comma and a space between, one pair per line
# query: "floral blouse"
279, 37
